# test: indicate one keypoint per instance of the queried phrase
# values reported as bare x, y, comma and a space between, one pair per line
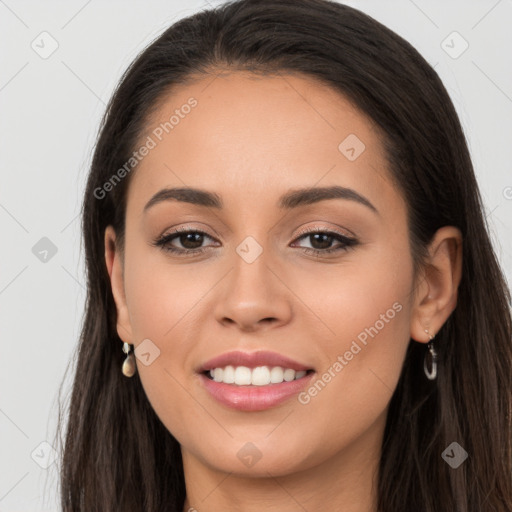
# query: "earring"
432, 373
129, 367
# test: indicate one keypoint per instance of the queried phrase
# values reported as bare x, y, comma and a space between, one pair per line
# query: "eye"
190, 240
322, 240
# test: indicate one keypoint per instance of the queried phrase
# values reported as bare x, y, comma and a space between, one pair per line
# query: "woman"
293, 302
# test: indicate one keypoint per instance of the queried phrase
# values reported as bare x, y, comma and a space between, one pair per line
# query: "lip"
252, 360
254, 398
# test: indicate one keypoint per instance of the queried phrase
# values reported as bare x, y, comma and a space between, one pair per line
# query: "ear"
114, 261
436, 293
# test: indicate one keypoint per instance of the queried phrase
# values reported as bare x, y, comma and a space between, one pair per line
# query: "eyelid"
172, 230
175, 232
306, 231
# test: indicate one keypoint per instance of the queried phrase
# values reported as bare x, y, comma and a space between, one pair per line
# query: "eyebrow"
289, 200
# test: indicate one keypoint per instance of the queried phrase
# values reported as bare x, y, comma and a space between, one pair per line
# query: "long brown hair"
118, 456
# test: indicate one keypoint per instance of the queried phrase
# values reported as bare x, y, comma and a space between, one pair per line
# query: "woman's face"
268, 149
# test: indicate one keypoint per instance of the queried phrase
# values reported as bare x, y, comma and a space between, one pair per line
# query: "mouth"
253, 381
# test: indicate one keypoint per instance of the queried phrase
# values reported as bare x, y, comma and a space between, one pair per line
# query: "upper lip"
252, 360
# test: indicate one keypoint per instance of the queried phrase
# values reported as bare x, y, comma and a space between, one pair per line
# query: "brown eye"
191, 241
321, 242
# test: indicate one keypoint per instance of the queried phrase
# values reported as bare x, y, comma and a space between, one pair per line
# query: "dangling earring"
432, 373
129, 367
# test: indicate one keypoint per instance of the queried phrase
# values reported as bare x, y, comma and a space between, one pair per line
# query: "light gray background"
50, 112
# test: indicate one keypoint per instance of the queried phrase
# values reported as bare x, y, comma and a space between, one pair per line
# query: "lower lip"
254, 398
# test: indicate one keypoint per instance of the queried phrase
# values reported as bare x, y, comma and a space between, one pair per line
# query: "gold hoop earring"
129, 366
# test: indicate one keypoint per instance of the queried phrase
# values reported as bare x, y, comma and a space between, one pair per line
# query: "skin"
250, 139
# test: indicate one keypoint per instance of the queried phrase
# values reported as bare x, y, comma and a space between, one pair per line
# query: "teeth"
242, 375
228, 375
276, 375
259, 376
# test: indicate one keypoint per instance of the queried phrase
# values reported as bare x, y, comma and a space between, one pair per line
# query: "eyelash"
164, 242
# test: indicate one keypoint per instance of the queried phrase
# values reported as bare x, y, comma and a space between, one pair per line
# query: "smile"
253, 381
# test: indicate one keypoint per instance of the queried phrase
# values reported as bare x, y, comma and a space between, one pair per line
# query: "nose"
254, 296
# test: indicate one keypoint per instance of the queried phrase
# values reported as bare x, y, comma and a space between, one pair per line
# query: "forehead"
254, 136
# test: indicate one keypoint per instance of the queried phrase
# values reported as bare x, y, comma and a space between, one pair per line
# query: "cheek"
368, 312
161, 299
368, 309
162, 296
